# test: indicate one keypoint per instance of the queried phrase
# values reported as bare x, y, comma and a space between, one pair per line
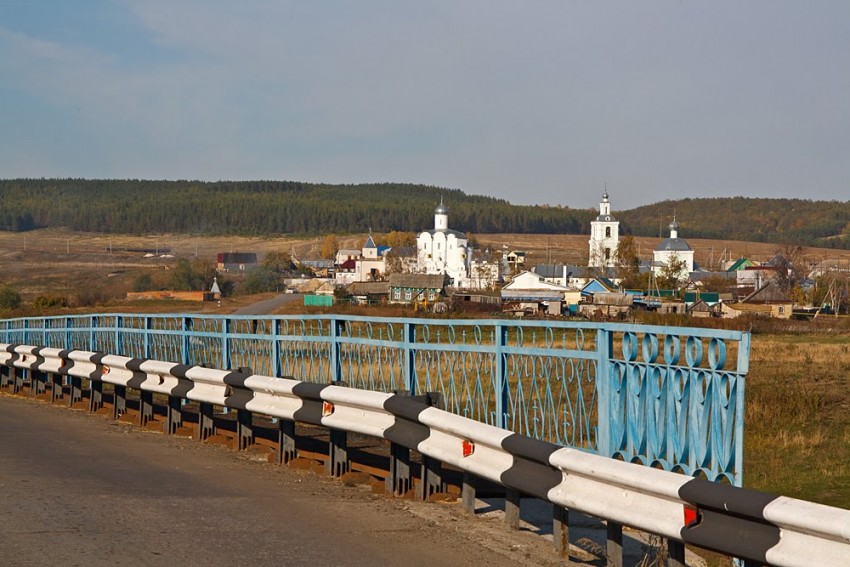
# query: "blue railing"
661, 396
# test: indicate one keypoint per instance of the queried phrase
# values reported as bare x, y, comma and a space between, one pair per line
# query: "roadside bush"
49, 301
9, 298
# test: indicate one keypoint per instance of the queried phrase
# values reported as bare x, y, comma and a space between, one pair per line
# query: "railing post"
225, 343
119, 323
604, 353
275, 350
147, 337
409, 358
93, 320
26, 331
502, 399
184, 341
742, 369
336, 349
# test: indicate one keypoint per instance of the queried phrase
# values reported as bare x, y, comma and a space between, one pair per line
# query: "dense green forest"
286, 207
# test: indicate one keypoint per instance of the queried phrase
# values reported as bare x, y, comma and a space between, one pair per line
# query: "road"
79, 489
269, 305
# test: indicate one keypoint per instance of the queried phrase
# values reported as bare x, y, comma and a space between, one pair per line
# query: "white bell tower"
604, 237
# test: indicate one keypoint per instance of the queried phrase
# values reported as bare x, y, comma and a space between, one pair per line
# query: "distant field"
63, 262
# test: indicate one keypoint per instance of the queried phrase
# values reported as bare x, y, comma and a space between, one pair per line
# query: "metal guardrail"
668, 397
739, 522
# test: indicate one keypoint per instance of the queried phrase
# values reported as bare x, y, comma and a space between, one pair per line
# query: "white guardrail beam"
739, 522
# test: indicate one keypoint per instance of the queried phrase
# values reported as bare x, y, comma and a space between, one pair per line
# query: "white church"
444, 251
604, 237
673, 249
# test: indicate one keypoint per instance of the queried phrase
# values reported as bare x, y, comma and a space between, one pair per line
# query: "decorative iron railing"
662, 396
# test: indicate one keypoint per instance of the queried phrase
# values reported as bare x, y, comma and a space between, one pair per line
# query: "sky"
534, 101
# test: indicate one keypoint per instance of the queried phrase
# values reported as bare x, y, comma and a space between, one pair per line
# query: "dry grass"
797, 432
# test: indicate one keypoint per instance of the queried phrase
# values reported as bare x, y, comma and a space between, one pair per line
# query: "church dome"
441, 209
674, 245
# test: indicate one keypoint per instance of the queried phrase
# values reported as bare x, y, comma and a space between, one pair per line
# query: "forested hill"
278, 207
795, 221
263, 207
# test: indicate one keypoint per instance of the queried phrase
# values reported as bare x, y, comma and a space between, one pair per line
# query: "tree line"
289, 207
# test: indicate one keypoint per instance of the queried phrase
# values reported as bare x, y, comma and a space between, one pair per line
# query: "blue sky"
536, 102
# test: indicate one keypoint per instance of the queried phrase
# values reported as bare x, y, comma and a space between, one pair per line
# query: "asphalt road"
78, 489
267, 306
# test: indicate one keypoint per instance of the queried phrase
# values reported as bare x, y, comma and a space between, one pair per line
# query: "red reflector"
327, 409
468, 448
104, 370
691, 516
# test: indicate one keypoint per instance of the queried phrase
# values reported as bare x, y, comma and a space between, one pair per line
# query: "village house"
416, 288
235, 261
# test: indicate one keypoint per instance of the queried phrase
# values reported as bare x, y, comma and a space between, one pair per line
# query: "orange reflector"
468, 448
691, 516
104, 370
327, 409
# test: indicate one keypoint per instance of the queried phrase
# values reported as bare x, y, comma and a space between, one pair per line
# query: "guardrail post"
39, 384
467, 493
337, 463
55, 387
17, 380
4, 377
145, 407
502, 399
206, 424
675, 553
399, 480
604, 352
174, 420
614, 548
244, 429
119, 401
513, 498
561, 531
286, 441
432, 469
95, 395
76, 393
